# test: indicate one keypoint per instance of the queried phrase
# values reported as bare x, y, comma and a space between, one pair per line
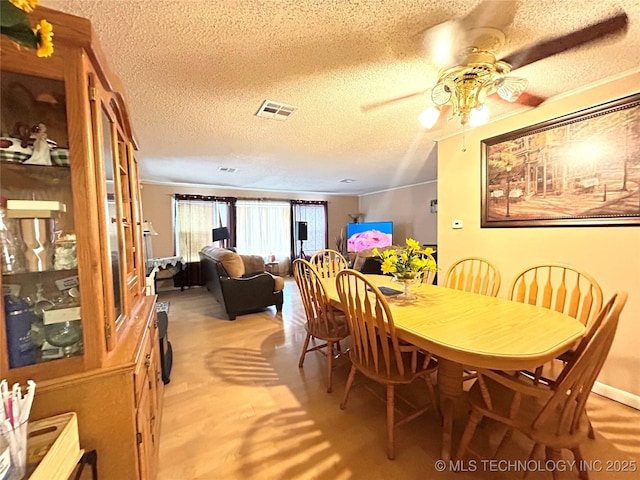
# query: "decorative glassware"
406, 280
67, 333
12, 257
37, 236
39, 305
64, 335
64, 255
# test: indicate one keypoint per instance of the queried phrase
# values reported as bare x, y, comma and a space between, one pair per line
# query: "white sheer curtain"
315, 215
263, 227
195, 219
194, 224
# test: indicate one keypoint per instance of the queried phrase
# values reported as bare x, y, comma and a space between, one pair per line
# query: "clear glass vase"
406, 280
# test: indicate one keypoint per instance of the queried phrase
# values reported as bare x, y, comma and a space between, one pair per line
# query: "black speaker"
221, 233
302, 230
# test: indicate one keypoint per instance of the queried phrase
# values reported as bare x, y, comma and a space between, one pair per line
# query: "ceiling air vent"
275, 110
228, 169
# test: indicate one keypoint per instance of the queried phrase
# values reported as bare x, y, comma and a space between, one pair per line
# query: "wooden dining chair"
323, 322
476, 275
554, 418
562, 288
328, 262
375, 350
473, 274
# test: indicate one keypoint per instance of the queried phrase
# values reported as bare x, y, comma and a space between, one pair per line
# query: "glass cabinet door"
111, 220
127, 218
41, 292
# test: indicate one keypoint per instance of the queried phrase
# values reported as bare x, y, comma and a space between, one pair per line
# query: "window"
256, 227
315, 214
263, 227
195, 217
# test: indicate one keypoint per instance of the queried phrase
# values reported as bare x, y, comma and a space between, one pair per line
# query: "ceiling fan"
463, 86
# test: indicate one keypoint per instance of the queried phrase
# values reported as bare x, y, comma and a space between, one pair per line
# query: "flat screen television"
361, 236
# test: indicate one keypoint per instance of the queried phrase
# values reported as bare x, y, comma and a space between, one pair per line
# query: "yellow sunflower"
44, 34
408, 261
413, 244
388, 265
26, 5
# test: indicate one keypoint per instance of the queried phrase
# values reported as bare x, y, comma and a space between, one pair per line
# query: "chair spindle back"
429, 276
373, 335
559, 287
577, 378
474, 274
320, 315
328, 262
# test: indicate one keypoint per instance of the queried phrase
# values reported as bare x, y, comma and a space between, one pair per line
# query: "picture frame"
580, 169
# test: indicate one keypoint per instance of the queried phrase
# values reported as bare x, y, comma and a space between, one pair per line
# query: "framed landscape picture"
579, 169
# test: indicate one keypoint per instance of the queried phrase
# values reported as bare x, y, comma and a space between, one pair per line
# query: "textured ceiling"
197, 71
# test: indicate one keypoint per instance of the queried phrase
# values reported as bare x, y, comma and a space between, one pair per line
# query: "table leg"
450, 388
90, 457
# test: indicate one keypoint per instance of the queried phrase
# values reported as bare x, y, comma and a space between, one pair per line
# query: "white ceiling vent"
228, 169
275, 110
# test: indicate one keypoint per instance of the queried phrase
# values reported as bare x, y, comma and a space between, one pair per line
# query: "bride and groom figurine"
41, 149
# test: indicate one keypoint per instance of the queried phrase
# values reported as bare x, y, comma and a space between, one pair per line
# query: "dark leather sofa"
239, 282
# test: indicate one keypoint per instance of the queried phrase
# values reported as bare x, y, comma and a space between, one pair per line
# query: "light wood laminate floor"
238, 407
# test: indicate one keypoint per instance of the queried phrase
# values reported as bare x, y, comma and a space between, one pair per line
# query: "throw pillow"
252, 263
231, 261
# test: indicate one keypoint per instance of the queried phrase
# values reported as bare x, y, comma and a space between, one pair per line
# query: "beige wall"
408, 208
156, 208
610, 254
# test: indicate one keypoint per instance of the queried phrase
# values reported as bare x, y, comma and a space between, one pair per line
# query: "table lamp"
148, 231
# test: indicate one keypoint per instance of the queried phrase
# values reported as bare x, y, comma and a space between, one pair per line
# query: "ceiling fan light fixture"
478, 116
429, 117
442, 92
466, 86
510, 88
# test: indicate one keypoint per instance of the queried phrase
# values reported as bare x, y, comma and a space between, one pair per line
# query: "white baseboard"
616, 394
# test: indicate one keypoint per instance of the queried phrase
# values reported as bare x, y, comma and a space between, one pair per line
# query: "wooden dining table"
464, 329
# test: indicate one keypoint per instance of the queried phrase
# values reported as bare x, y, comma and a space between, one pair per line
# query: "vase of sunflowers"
407, 265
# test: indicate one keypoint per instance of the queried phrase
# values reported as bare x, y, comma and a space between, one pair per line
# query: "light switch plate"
456, 224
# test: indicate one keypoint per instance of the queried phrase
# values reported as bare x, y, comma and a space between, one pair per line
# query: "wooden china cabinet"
75, 317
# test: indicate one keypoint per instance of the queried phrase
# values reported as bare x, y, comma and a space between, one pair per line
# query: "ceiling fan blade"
529, 99
490, 13
616, 24
443, 43
373, 106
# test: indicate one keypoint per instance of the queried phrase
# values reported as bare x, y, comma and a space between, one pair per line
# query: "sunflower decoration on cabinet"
14, 24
